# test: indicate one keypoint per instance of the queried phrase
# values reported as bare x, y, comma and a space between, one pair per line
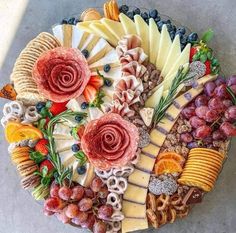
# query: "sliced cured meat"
61, 74
134, 68
110, 141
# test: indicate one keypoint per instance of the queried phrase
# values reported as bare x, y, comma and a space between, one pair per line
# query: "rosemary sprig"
165, 102
62, 172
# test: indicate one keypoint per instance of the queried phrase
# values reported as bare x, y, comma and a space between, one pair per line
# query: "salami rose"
61, 74
110, 141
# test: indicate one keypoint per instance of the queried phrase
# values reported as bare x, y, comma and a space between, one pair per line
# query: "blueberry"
172, 35
107, 82
130, 14
182, 30
78, 118
81, 170
124, 9
144, 15
180, 35
85, 52
77, 21
168, 21
64, 21
169, 27
184, 40
193, 37
40, 106
153, 13
160, 24
157, 19
84, 105
137, 11
107, 68
174, 28
75, 148
72, 21
182, 47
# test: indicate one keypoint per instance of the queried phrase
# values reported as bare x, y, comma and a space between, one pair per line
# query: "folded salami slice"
61, 74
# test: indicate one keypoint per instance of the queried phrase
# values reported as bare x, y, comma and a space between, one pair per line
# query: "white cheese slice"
173, 55
77, 35
95, 113
155, 98
164, 48
128, 24
99, 51
100, 30
107, 100
154, 41
115, 73
83, 39
182, 59
114, 27
110, 58
134, 224
58, 32
62, 131
67, 158
90, 42
85, 25
64, 145
143, 32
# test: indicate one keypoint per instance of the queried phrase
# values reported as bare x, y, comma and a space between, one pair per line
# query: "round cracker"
212, 157
204, 161
206, 176
203, 168
207, 150
195, 183
206, 180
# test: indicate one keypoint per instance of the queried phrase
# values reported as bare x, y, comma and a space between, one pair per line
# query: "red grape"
47, 212
103, 193
89, 192
220, 80
233, 89
80, 218
231, 80
85, 204
54, 204
99, 227
186, 137
201, 100
96, 184
203, 132
105, 212
211, 116
201, 111
77, 193
188, 112
54, 190
218, 135
61, 216
227, 103
65, 193
72, 211
209, 88
89, 222
196, 122
216, 104
230, 113
221, 91
228, 129
208, 140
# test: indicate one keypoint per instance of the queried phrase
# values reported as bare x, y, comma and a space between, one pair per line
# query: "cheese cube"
133, 210
134, 224
151, 150
135, 194
173, 112
139, 178
145, 163
166, 124
157, 137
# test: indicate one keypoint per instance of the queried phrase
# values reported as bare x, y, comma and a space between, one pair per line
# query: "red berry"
90, 93
96, 81
201, 111
41, 146
46, 163
193, 51
54, 204
228, 129
208, 67
99, 227
105, 212
57, 108
62, 217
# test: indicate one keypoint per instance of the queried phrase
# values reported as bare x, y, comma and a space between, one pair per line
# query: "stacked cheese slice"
134, 199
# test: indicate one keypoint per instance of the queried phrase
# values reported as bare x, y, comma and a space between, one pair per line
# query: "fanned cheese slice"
58, 32
67, 35
64, 145
134, 224
99, 51
172, 57
95, 113
154, 41
85, 25
62, 131
155, 98
77, 36
67, 158
114, 73
164, 48
128, 24
90, 42
114, 27
84, 37
110, 58
100, 30
143, 32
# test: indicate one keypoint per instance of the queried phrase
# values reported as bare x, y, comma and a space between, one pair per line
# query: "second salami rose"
110, 141
61, 74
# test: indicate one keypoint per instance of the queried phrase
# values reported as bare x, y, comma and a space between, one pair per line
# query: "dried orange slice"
165, 166
171, 155
11, 128
24, 133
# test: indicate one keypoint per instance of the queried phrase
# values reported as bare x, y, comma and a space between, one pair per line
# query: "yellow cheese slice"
157, 137
165, 124
145, 163
134, 224
155, 98
67, 158
133, 210
100, 30
173, 55
114, 27
139, 178
135, 194
143, 32
85, 25
151, 150
164, 48
128, 24
83, 39
77, 36
154, 41
67, 35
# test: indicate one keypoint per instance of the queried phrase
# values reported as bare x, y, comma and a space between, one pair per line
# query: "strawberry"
57, 108
90, 93
46, 163
96, 81
80, 131
208, 67
41, 146
193, 51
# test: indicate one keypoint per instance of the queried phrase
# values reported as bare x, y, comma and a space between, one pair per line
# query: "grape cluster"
173, 31
212, 114
84, 207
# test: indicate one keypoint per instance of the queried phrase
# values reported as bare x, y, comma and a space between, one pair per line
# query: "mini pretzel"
14, 108
114, 200
176, 199
117, 216
183, 213
123, 171
113, 227
171, 215
31, 114
152, 218
151, 202
117, 184
162, 217
104, 174
180, 206
162, 202
116, 226
7, 118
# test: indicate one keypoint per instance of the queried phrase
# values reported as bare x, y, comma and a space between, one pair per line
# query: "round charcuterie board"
119, 120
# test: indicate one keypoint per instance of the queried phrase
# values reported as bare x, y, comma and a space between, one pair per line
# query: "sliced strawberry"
80, 131
41, 146
46, 163
57, 108
193, 51
90, 93
96, 81
208, 67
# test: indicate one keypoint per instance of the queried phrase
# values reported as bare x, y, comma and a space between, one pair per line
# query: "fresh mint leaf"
36, 156
207, 36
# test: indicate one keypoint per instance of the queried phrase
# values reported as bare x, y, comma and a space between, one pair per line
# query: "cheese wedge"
134, 224
100, 30
114, 27
173, 55
58, 32
84, 26
143, 32
128, 24
155, 98
115, 73
154, 41
67, 158
64, 145
62, 131
139, 177
133, 210
90, 42
164, 48
145, 163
